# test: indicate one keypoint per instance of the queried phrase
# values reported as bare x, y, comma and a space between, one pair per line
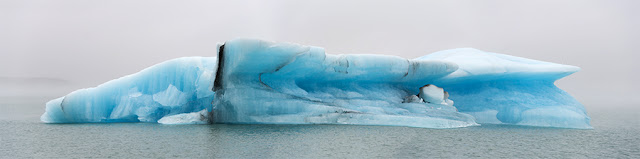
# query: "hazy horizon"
90, 42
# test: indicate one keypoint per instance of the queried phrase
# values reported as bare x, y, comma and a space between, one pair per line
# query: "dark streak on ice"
260, 80
62, 104
408, 68
217, 84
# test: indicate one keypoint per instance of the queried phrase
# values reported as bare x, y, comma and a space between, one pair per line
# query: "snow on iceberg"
177, 86
261, 82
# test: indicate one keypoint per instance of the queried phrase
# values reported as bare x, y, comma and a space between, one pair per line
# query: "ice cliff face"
262, 82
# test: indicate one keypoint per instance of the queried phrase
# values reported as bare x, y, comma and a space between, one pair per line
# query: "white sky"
91, 42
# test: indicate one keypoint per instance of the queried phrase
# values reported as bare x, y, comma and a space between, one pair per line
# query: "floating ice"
262, 82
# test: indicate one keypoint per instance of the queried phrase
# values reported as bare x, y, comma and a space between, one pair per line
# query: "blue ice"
502, 89
173, 87
262, 82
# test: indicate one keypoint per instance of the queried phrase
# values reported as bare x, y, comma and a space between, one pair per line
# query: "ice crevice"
262, 82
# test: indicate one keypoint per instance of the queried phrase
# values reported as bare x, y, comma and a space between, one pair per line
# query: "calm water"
22, 135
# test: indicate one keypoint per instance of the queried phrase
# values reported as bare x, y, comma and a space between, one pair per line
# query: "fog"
85, 43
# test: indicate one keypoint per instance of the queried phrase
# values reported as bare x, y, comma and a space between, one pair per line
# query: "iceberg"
261, 82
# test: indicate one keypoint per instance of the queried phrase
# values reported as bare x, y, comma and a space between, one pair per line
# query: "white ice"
432, 94
201, 117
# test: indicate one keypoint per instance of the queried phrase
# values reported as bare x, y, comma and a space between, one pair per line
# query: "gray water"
22, 135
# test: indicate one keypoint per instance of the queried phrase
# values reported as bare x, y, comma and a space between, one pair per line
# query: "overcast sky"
91, 42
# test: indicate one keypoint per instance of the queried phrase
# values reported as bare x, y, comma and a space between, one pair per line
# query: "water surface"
24, 136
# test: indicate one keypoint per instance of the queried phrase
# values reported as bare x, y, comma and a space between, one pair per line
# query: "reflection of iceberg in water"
261, 82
